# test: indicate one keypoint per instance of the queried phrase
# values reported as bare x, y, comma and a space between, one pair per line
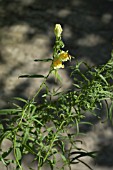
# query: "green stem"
41, 86
39, 168
15, 154
52, 142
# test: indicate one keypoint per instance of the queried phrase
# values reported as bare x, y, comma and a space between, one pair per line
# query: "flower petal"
57, 63
64, 56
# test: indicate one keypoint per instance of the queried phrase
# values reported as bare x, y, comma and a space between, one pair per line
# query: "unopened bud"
58, 30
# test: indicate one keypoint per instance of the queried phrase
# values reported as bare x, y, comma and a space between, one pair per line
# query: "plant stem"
41, 86
52, 141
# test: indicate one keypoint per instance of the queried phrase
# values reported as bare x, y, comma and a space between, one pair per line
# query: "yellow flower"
64, 56
58, 30
57, 63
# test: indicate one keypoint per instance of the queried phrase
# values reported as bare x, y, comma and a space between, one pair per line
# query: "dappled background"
26, 33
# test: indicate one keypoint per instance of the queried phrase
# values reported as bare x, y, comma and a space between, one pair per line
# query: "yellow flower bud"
58, 30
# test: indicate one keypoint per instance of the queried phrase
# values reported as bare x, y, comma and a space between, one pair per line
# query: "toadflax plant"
49, 131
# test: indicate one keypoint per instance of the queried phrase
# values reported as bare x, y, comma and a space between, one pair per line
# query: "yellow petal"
57, 63
64, 56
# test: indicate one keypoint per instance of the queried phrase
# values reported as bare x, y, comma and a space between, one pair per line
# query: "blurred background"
26, 33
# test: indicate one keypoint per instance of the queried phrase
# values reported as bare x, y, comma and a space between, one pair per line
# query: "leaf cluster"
44, 130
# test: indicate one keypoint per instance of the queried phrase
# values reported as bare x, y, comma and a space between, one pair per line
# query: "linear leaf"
9, 111
18, 154
6, 134
85, 164
6, 153
103, 78
29, 149
26, 136
20, 99
43, 60
82, 154
31, 76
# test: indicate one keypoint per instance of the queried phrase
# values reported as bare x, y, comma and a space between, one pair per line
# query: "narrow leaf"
32, 76
85, 164
43, 60
26, 136
20, 99
9, 111
103, 78
18, 154
29, 149
7, 152
5, 135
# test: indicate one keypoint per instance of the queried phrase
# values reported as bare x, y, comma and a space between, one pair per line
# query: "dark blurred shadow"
105, 154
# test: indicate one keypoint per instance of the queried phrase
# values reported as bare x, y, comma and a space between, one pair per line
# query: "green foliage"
45, 130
